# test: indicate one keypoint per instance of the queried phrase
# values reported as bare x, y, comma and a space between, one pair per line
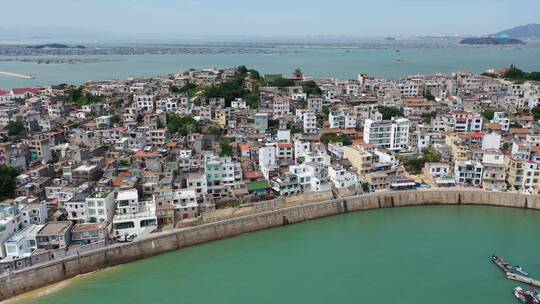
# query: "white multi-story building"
145, 102
390, 134
267, 155
197, 182
127, 202
465, 122
100, 207
494, 173
341, 120
502, 120
10, 222
281, 107
342, 178
136, 222
23, 242
309, 121
468, 173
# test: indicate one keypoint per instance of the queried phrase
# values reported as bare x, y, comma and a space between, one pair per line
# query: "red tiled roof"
143, 154
284, 145
253, 174
21, 91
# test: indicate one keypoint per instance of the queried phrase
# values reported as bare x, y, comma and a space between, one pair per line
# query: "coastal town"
84, 167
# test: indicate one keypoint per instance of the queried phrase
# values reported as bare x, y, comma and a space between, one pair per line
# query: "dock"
511, 274
504, 266
2, 73
522, 279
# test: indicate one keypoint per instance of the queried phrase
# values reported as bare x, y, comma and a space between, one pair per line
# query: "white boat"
522, 271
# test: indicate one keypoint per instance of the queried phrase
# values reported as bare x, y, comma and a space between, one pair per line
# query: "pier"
2, 73
522, 279
511, 274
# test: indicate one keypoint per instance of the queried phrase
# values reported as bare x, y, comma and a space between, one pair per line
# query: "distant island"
491, 41
524, 31
55, 46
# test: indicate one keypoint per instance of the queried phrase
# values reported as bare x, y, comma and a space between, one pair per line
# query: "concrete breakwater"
61, 269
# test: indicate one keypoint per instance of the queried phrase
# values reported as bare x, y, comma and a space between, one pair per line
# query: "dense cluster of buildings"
93, 172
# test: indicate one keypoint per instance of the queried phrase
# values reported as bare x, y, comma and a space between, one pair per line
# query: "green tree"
311, 88
488, 114
123, 163
429, 96
7, 182
326, 110
231, 89
281, 82
15, 128
115, 119
226, 149
188, 89
389, 112
431, 155
182, 124
366, 187
294, 128
80, 97
536, 112
252, 99
334, 138
427, 117
414, 165
214, 131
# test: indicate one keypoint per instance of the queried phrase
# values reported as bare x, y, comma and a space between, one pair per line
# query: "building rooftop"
131, 194
260, 185
27, 232
100, 194
55, 228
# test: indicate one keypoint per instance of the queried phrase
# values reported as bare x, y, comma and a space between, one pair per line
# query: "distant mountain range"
491, 41
524, 31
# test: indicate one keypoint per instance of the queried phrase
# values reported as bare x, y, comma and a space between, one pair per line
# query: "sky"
269, 18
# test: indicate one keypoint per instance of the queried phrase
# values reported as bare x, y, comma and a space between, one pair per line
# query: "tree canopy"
427, 117
281, 82
7, 182
15, 128
429, 96
234, 88
226, 149
536, 112
389, 112
328, 138
488, 114
182, 124
311, 88
517, 74
80, 97
428, 155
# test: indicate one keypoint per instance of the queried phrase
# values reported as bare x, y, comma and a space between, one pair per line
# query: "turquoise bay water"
315, 62
438, 254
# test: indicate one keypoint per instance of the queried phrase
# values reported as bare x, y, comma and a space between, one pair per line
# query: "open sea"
318, 62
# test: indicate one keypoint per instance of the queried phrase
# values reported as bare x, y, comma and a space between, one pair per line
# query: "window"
151, 222
126, 225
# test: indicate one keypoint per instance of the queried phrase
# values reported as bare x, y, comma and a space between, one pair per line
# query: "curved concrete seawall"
62, 269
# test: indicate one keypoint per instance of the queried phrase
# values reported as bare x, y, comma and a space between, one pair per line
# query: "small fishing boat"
522, 271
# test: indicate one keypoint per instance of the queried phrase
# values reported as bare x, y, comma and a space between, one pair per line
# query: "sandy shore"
30, 296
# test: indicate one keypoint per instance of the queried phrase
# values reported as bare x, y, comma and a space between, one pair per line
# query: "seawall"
62, 269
